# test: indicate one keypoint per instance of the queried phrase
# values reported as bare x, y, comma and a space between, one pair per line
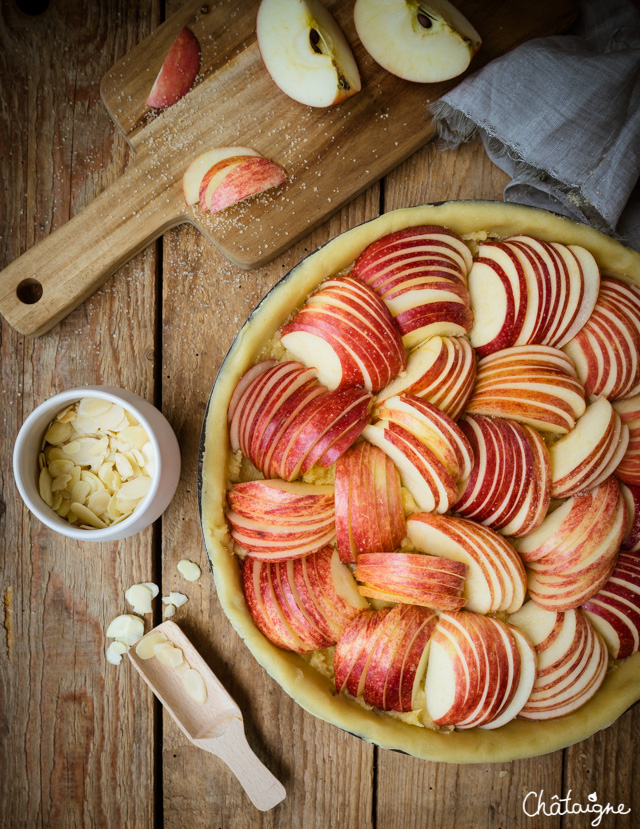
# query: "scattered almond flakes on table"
189, 569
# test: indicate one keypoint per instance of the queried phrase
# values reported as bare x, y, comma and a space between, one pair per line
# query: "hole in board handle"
29, 291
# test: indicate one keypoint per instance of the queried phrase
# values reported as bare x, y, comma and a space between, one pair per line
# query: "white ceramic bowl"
166, 468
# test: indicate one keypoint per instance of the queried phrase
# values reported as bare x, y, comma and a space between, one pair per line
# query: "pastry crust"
313, 691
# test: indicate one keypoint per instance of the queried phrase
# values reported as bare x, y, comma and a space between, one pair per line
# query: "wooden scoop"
215, 726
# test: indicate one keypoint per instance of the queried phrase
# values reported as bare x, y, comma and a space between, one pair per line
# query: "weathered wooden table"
83, 743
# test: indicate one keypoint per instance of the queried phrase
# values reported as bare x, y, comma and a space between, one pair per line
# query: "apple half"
419, 40
305, 52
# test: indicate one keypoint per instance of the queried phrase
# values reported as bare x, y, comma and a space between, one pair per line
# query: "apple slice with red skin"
247, 378
248, 177
585, 279
265, 610
525, 681
579, 548
346, 332
631, 541
503, 659
591, 452
496, 580
420, 311
413, 578
441, 370
432, 426
501, 475
628, 470
572, 660
471, 675
352, 652
265, 404
296, 604
275, 400
242, 411
215, 175
314, 429
452, 318
408, 244
540, 292
198, 168
532, 384
617, 308
395, 675
368, 503
423, 474
309, 626
499, 302
382, 656
178, 71
275, 520
614, 611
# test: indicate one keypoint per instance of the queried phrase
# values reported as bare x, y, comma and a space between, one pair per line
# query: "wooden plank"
607, 764
327, 774
412, 793
77, 734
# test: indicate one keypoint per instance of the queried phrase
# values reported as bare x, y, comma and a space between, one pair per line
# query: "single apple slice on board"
248, 177
196, 171
178, 72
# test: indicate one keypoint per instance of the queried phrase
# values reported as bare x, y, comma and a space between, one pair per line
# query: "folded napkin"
561, 115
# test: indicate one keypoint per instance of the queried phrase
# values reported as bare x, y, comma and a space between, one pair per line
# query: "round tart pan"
313, 691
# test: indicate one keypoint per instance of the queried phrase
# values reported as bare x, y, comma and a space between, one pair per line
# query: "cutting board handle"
43, 285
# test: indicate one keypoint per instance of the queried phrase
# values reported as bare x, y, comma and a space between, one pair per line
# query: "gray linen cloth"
561, 116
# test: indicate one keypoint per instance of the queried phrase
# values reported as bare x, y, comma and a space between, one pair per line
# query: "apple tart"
422, 454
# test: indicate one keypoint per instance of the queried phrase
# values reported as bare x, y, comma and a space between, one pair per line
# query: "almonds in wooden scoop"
96, 464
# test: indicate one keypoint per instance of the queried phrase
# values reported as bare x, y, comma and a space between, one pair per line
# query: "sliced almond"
137, 488
145, 647
93, 406
134, 435
139, 597
99, 501
60, 483
194, 685
115, 651
189, 569
100, 458
58, 432
81, 491
169, 611
123, 465
44, 485
178, 599
152, 587
110, 418
85, 515
60, 467
168, 654
126, 628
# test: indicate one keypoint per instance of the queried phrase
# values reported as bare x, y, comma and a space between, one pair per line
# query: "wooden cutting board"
331, 155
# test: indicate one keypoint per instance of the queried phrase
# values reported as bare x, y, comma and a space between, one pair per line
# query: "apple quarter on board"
580, 683
305, 52
425, 42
